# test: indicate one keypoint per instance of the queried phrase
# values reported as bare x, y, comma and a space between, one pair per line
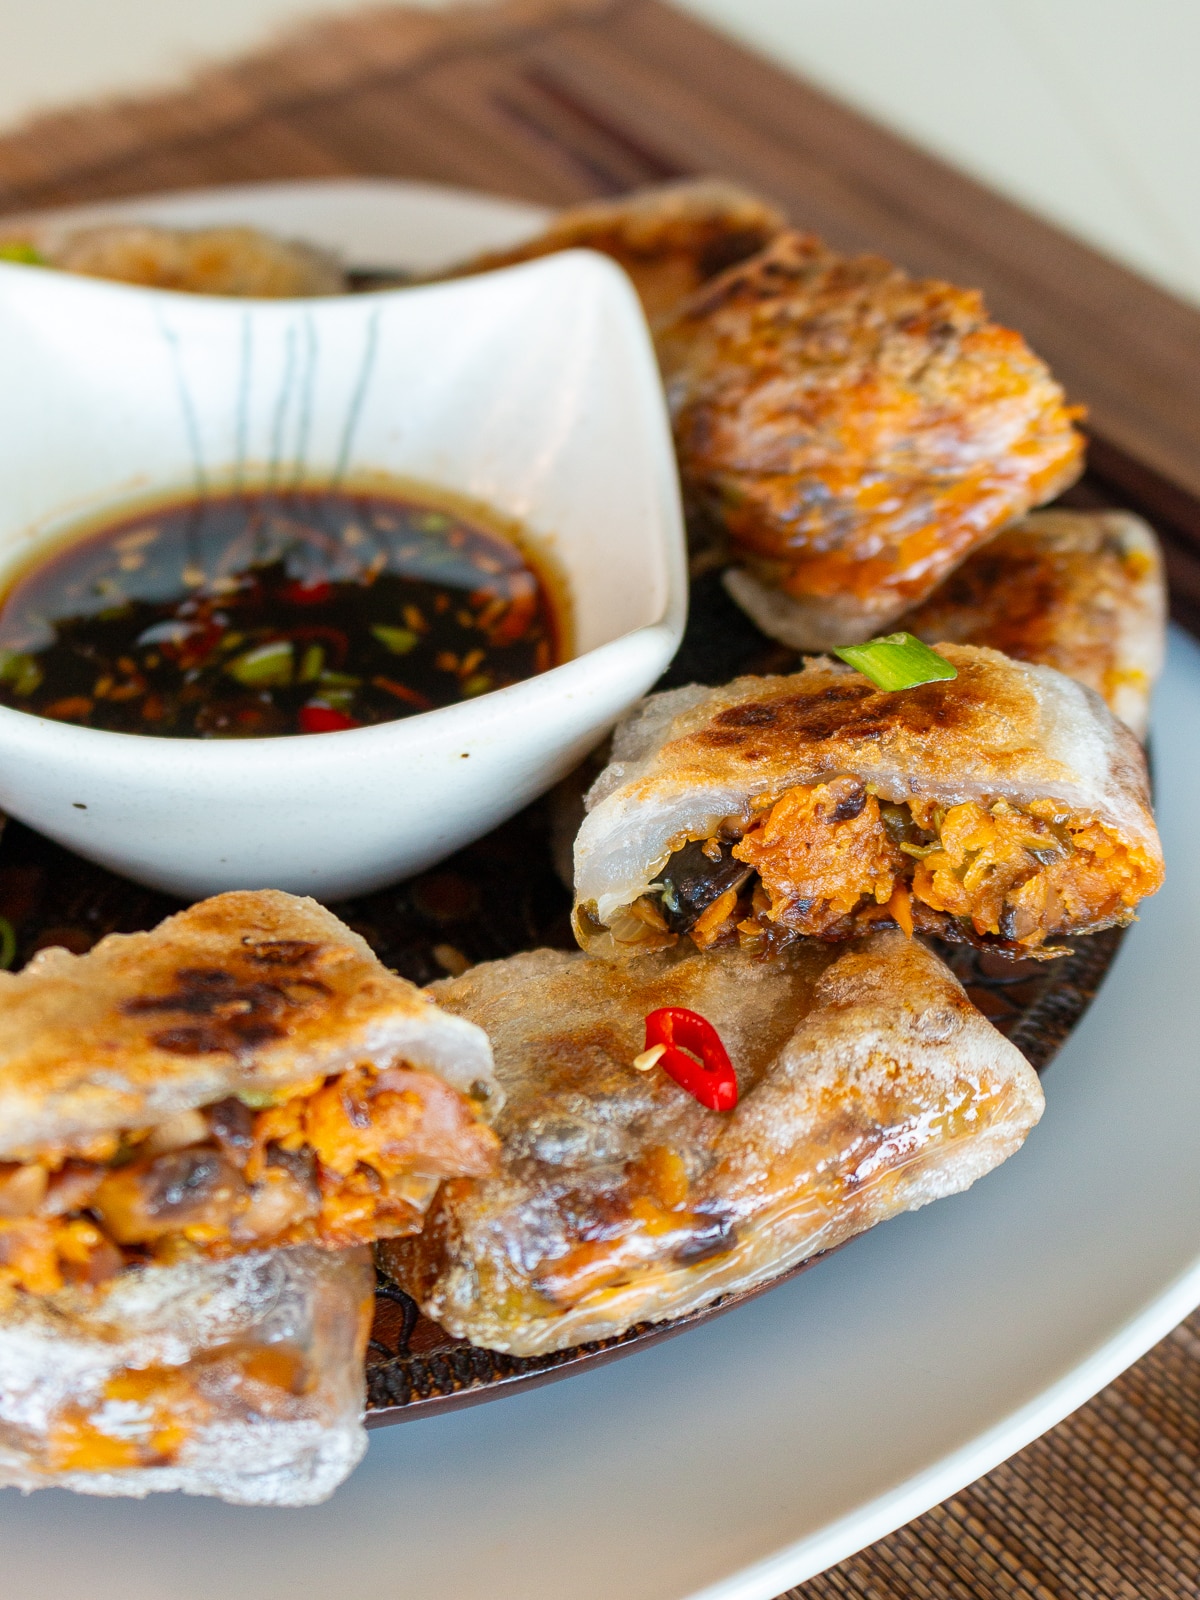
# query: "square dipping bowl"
533, 391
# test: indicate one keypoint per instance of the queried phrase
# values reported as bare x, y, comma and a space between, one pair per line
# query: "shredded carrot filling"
830, 859
141, 1419
352, 1158
143, 1416
1027, 875
820, 852
900, 909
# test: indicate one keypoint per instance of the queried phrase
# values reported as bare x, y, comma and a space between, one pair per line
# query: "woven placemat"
555, 100
1106, 1506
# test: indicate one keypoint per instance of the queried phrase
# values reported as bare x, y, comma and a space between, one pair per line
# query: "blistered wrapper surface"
868, 1085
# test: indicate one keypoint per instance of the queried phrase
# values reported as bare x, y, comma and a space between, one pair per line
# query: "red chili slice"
711, 1079
303, 593
324, 719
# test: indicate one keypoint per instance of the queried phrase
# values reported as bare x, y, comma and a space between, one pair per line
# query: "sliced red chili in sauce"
306, 594
324, 719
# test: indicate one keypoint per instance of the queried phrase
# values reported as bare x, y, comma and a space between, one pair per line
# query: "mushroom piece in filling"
334, 1162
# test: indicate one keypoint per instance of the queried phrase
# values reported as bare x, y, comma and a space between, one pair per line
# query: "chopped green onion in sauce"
897, 661
398, 640
259, 613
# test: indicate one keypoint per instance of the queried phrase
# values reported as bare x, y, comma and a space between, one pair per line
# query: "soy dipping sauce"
255, 614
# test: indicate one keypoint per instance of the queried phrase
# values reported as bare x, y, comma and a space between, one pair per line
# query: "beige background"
1087, 110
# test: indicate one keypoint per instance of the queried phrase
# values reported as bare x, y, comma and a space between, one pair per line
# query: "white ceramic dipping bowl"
532, 390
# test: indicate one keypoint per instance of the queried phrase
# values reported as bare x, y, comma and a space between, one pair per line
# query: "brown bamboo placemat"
557, 100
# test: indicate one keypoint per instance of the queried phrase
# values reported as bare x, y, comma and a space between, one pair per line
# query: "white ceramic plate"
754, 1451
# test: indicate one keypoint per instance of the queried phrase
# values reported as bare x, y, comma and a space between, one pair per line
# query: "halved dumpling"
869, 1085
247, 1075
1005, 807
669, 239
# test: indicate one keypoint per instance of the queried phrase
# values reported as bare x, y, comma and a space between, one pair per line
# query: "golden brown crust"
669, 239
694, 761
246, 993
1080, 591
220, 261
856, 430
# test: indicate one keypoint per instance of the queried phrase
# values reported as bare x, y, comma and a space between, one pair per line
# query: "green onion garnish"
21, 670
267, 667
897, 661
22, 252
257, 1099
398, 640
312, 664
8, 943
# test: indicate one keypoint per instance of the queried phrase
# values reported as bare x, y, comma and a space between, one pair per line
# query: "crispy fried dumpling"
1082, 591
869, 1085
669, 239
220, 261
857, 432
246, 1075
1006, 807
239, 1378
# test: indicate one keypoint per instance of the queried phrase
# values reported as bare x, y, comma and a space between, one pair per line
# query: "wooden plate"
496, 897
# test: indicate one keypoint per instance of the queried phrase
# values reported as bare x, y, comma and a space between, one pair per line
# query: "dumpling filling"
334, 1162
828, 860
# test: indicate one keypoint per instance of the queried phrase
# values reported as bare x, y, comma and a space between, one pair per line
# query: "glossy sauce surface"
258, 614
